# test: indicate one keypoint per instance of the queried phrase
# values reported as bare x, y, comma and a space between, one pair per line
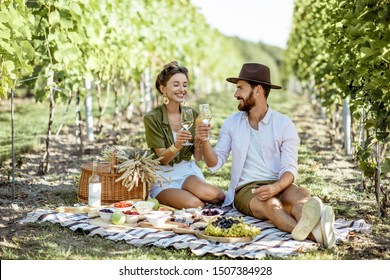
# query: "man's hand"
265, 192
202, 131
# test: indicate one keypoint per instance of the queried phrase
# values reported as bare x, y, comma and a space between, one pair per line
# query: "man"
264, 145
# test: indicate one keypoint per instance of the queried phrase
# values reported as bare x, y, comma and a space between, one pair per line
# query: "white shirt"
279, 146
255, 168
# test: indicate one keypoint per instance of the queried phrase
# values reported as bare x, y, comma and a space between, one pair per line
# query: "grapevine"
117, 45
340, 53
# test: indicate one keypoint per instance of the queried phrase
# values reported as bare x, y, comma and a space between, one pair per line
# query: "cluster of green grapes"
230, 227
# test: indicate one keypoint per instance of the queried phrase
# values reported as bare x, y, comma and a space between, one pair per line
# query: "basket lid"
102, 167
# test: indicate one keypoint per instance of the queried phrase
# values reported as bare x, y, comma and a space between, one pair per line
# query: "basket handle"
114, 161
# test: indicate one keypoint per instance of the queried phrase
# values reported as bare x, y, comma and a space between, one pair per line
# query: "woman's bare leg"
203, 190
179, 199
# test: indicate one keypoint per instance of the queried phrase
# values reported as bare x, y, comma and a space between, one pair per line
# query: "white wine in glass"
187, 120
205, 114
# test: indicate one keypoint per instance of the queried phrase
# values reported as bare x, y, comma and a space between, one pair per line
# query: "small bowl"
161, 212
144, 207
122, 205
157, 220
183, 215
105, 215
208, 217
131, 216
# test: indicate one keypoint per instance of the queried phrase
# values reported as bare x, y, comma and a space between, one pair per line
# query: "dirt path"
332, 163
347, 195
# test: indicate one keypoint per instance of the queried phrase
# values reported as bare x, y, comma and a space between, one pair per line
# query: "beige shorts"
244, 195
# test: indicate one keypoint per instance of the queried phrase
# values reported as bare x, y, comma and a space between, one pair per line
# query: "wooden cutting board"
201, 235
110, 226
198, 225
91, 211
169, 225
70, 209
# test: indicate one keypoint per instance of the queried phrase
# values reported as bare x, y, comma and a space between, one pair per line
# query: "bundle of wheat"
134, 166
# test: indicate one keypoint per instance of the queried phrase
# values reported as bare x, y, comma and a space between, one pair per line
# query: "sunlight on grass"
31, 123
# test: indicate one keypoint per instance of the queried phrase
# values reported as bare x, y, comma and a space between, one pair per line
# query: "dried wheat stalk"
138, 166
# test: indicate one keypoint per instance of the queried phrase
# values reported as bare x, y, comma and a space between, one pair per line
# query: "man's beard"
247, 104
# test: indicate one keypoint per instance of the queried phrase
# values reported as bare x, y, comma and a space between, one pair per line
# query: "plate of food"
188, 213
209, 214
132, 216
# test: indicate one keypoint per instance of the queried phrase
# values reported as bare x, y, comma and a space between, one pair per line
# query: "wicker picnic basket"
111, 191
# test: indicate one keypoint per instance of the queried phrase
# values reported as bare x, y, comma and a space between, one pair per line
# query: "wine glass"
187, 120
205, 114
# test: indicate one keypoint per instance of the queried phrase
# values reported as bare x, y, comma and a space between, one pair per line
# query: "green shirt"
159, 134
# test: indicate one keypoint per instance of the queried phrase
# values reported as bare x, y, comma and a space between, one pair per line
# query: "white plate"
183, 215
209, 218
161, 212
193, 210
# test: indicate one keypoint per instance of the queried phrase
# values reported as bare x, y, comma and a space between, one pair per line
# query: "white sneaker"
311, 214
324, 231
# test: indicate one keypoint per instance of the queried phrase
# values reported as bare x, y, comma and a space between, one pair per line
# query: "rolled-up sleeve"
222, 149
153, 132
289, 150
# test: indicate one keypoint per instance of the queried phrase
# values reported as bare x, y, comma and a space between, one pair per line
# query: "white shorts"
177, 174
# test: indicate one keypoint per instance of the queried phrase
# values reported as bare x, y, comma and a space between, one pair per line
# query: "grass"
46, 241
27, 136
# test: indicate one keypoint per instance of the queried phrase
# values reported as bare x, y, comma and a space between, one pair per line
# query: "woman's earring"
165, 99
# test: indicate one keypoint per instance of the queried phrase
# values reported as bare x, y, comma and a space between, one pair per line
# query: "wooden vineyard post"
44, 166
88, 110
378, 178
347, 127
79, 138
13, 142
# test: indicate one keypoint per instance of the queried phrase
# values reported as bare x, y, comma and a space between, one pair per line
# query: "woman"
187, 187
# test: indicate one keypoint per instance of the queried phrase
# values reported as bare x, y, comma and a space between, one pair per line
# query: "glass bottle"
94, 188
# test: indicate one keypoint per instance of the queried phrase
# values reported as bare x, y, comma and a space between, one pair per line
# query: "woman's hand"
181, 137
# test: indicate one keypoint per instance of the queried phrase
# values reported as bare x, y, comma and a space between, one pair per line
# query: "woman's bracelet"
173, 149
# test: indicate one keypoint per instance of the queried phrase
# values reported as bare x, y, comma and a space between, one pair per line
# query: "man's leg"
293, 204
305, 209
293, 198
273, 210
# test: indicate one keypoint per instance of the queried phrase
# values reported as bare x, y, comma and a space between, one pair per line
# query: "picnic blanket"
271, 241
